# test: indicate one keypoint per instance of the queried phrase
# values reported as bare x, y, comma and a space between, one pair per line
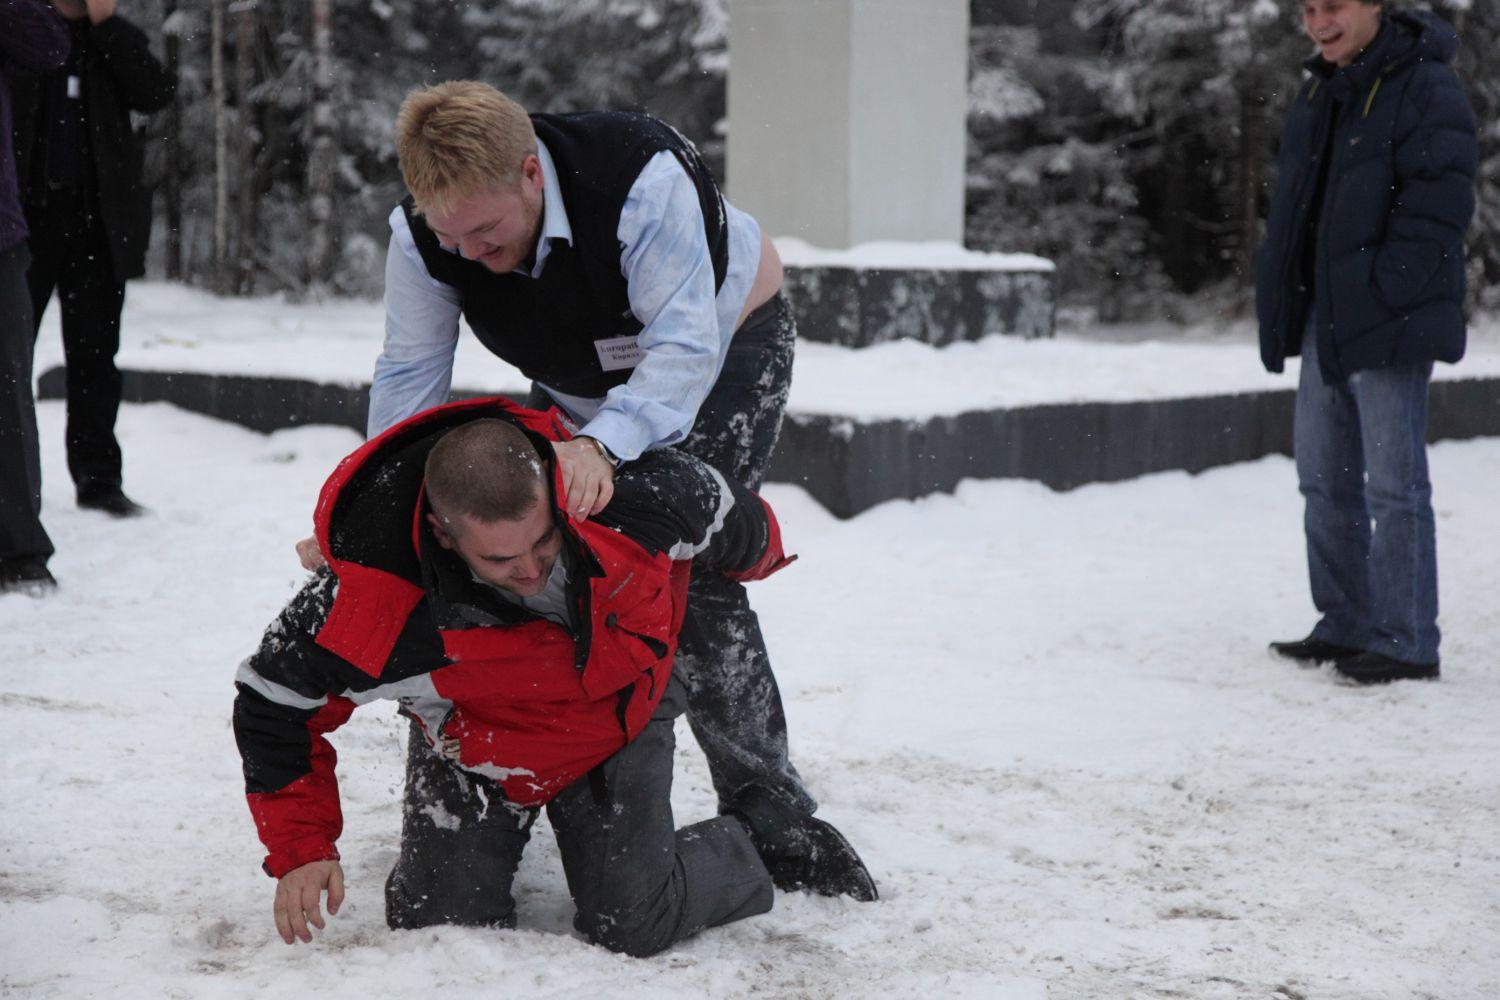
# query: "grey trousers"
639, 885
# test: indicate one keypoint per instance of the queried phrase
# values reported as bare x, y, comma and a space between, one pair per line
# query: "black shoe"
800, 851
112, 501
1377, 668
1310, 652
25, 576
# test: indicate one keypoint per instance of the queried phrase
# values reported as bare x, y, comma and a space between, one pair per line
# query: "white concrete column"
846, 118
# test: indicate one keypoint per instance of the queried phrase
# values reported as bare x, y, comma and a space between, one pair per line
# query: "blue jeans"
1361, 450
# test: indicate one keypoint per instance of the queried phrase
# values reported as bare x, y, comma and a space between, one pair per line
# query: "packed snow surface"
175, 328
1047, 720
906, 255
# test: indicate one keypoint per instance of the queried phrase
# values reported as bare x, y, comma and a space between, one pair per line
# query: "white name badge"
75, 88
619, 352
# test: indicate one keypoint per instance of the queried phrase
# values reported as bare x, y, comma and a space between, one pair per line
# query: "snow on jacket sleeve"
286, 706
1436, 158
671, 502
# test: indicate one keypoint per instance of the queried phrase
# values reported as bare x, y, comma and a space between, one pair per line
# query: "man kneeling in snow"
533, 653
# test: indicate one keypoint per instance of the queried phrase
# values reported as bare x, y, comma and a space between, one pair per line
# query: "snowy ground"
1046, 719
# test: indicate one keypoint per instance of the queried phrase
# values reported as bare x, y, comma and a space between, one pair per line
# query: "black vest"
547, 326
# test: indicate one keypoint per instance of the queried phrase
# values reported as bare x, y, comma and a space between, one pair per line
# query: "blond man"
595, 253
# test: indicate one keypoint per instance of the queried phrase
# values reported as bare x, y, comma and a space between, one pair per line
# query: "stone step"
850, 466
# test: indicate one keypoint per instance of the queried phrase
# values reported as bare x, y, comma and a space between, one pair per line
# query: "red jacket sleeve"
289, 700
301, 821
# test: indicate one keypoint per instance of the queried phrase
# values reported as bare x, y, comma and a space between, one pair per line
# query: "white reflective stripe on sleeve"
417, 695
419, 686
279, 694
686, 549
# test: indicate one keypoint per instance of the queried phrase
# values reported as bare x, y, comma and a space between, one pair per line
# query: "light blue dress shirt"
670, 286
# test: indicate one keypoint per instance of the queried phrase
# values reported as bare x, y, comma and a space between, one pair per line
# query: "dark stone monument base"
858, 307
850, 466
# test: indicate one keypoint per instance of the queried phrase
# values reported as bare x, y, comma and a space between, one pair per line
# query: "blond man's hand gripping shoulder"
588, 475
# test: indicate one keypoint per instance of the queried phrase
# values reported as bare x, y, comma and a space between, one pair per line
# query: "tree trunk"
1250, 164
221, 150
321, 160
244, 242
172, 177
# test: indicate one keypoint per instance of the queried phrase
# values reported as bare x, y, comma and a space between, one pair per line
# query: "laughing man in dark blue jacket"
1362, 273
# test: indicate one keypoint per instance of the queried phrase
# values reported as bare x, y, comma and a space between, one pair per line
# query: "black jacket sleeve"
671, 502
282, 686
142, 82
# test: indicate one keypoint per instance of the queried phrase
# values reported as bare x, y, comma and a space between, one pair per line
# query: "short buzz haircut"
486, 470
457, 138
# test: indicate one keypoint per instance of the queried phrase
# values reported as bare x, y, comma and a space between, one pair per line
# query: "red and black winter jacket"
494, 688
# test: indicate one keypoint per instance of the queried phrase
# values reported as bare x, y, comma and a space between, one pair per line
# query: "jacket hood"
365, 510
1433, 38
367, 522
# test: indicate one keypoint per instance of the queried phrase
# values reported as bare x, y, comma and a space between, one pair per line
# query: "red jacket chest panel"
523, 713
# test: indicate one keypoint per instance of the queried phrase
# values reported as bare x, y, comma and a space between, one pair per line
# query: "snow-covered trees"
1051, 131
1209, 79
1130, 140
308, 91
1142, 166
1478, 24
1134, 140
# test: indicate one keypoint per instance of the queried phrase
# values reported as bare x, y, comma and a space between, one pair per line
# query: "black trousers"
639, 885
22, 536
733, 702
70, 254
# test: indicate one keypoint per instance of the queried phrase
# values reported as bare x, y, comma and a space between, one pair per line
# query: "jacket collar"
1359, 75
1403, 36
555, 224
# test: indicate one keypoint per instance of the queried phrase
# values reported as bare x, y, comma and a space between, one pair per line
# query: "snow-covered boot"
801, 851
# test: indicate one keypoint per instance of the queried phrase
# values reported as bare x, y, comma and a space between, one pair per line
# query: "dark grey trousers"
733, 702
21, 533
639, 885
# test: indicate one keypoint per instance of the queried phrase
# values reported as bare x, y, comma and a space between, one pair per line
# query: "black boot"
800, 851
112, 500
25, 576
1377, 668
1310, 652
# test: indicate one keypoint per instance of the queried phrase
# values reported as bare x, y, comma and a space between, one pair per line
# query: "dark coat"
33, 39
1388, 268
120, 75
